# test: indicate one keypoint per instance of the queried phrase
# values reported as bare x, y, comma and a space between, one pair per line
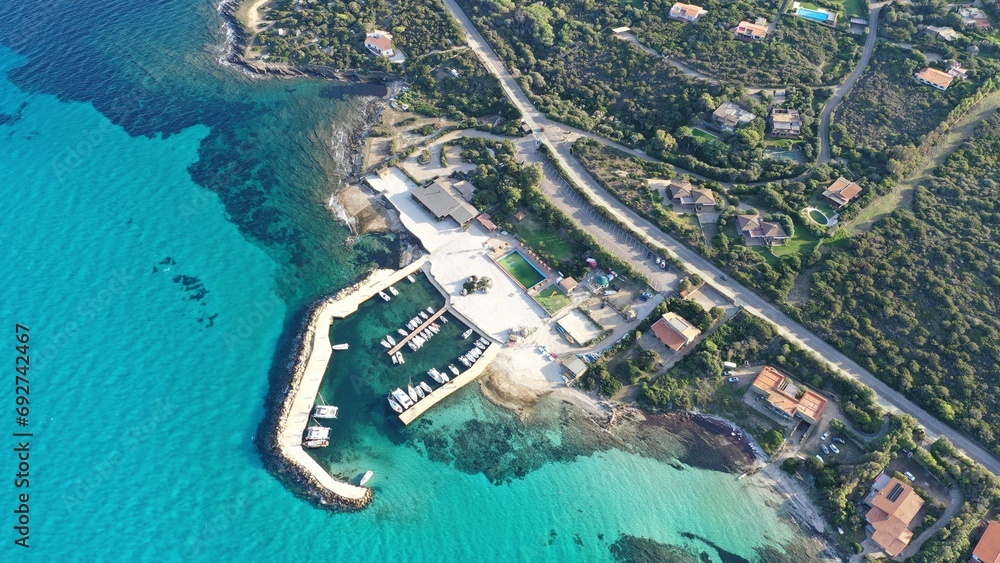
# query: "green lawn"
802, 243
539, 237
853, 7
552, 299
786, 144
704, 134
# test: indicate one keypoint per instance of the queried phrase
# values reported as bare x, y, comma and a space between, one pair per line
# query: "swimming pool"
821, 16
519, 268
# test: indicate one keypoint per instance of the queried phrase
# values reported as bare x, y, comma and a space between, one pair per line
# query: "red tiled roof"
988, 548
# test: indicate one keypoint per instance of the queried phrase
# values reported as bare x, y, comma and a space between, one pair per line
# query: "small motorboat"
399, 358
395, 359
424, 315
313, 444
444, 377
431, 372
412, 394
367, 477
343, 346
390, 340
395, 406
402, 398
402, 332
410, 278
467, 333
420, 391
383, 296
453, 369
444, 319
393, 291
385, 343
427, 388
464, 360
430, 310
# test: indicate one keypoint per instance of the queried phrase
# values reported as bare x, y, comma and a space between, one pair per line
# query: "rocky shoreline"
236, 47
277, 405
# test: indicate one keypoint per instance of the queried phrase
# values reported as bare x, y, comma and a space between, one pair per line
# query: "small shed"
575, 366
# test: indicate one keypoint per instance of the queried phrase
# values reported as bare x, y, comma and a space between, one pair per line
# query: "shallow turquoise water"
158, 236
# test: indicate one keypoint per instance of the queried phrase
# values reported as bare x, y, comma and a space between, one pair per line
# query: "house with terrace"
675, 331
686, 195
894, 505
751, 31
730, 115
934, 78
974, 17
758, 232
785, 123
379, 43
686, 12
786, 398
841, 192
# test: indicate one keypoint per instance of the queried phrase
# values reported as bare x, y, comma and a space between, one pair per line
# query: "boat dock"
310, 370
417, 330
456, 383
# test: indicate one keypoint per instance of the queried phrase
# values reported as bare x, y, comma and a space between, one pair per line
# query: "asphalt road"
695, 263
831, 104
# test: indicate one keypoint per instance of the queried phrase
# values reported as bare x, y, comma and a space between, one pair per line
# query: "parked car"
834, 449
909, 476
839, 440
824, 436
825, 449
734, 380
727, 372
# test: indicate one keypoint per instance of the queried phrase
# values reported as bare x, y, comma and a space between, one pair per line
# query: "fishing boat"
410, 278
325, 411
424, 315
402, 398
393, 291
383, 296
402, 332
430, 310
385, 343
399, 358
453, 368
390, 339
395, 406
343, 346
412, 394
427, 388
313, 444
467, 333
367, 477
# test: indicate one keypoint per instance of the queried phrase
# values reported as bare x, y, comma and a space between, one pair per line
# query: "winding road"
554, 137
831, 104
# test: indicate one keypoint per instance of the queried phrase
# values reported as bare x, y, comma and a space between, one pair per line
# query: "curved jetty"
315, 351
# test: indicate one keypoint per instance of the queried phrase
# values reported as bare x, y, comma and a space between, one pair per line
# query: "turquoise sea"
163, 229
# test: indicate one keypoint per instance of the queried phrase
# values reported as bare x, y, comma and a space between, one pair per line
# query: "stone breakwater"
296, 477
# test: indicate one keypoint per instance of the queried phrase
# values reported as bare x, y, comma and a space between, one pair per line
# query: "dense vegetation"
506, 187
799, 52
455, 85
915, 300
332, 33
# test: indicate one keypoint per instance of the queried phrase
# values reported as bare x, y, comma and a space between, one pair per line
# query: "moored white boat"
444, 377
420, 391
480, 345
395, 360
464, 360
402, 332
444, 319
343, 346
467, 333
367, 477
430, 310
325, 411
399, 358
390, 339
383, 296
402, 398
410, 278
453, 368
427, 388
424, 315
395, 406
412, 393
393, 291
431, 372
313, 444
385, 343
317, 433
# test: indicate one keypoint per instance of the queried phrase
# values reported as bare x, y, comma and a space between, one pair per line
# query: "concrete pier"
417, 330
456, 383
